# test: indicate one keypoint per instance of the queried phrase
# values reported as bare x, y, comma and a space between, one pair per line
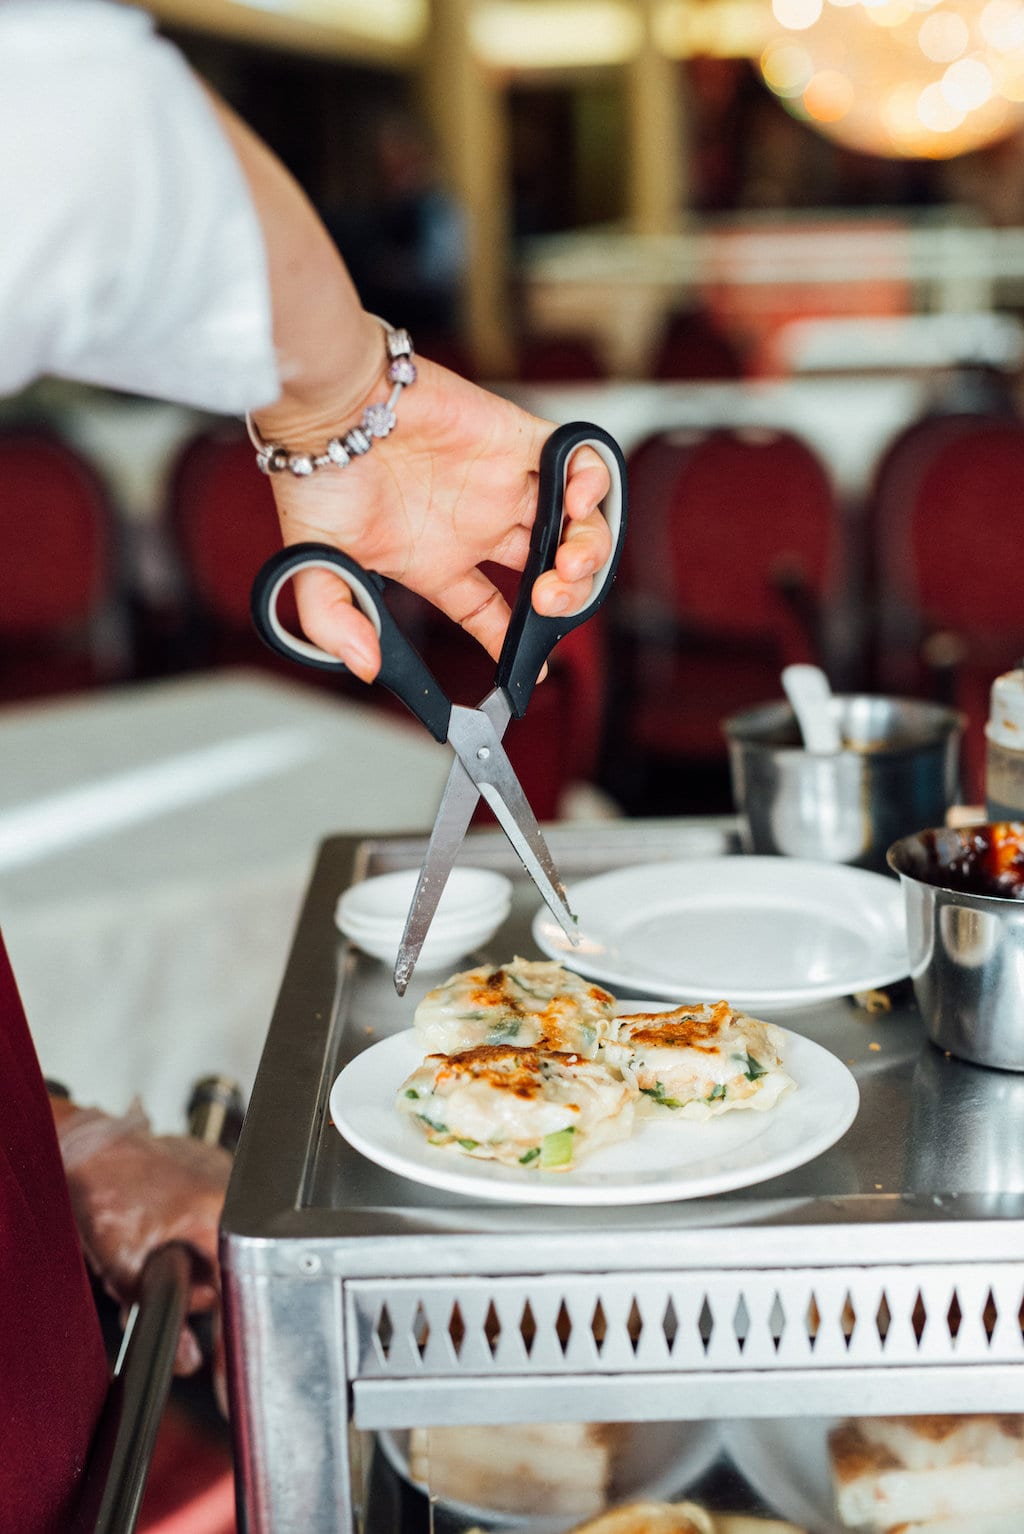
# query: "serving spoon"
810, 696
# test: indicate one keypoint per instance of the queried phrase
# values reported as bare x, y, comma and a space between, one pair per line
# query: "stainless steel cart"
885, 1276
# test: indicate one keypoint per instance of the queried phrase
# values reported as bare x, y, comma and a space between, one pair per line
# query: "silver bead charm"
357, 442
398, 343
378, 420
402, 371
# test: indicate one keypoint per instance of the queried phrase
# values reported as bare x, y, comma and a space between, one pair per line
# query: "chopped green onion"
716, 1094
657, 1094
441, 1129
556, 1148
412, 1092
469, 1144
503, 1031
753, 1070
530, 1155
537, 995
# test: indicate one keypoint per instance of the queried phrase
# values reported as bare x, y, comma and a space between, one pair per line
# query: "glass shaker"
1004, 752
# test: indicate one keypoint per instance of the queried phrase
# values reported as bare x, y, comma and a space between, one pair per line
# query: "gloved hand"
133, 1192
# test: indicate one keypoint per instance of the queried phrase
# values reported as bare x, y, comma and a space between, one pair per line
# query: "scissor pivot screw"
483, 753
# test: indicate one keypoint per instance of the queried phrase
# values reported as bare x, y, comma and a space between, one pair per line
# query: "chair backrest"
733, 556
56, 535
947, 509
750, 525
692, 345
565, 358
222, 523
59, 558
222, 518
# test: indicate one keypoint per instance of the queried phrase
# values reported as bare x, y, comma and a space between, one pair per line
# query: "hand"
454, 485
133, 1192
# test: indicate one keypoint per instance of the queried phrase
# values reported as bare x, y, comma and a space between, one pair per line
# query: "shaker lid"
1006, 711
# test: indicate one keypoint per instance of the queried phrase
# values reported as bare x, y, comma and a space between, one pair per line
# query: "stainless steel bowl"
966, 953
899, 769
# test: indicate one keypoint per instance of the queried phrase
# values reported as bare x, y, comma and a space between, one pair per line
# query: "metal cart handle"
126, 1437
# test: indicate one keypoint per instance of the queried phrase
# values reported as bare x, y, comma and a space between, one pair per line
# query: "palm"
455, 485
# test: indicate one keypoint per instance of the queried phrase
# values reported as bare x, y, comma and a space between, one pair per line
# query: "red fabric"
191, 1486
53, 1371
223, 518
560, 359
720, 524
945, 522
50, 501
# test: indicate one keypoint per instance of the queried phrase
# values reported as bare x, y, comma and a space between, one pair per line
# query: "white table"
154, 846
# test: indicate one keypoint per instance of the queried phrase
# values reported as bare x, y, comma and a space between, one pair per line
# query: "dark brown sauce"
979, 860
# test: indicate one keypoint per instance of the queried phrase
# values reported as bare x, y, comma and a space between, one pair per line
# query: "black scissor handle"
402, 669
531, 637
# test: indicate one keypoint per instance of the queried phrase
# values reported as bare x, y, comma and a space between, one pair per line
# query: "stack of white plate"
473, 906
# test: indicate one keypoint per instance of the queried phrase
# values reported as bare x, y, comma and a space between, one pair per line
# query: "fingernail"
362, 663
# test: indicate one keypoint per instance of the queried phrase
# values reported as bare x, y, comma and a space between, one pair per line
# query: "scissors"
481, 765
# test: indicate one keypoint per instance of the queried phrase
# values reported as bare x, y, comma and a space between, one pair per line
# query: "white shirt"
130, 251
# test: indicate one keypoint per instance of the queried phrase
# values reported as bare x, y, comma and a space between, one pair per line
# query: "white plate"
785, 1460
762, 932
656, 1460
661, 1161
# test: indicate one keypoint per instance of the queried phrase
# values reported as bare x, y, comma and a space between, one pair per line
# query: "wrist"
310, 409
293, 451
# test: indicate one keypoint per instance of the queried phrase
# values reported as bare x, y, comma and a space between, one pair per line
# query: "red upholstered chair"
691, 345
222, 525
560, 359
61, 623
946, 517
733, 555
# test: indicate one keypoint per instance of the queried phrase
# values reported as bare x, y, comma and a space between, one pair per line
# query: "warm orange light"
911, 78
829, 96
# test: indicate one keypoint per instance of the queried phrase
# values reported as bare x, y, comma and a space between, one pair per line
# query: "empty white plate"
762, 932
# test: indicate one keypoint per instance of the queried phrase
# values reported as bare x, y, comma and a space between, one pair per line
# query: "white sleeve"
130, 254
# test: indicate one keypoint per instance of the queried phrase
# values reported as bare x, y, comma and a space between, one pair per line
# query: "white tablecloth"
155, 842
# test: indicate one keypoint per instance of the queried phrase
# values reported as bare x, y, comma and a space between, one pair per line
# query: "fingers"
330, 619
586, 539
478, 607
587, 484
188, 1357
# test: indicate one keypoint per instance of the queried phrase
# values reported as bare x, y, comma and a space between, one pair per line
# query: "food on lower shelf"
530, 1469
651, 1518
699, 1061
677, 1518
525, 1002
935, 1475
523, 1107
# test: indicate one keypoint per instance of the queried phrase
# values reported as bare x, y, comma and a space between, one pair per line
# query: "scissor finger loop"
293, 644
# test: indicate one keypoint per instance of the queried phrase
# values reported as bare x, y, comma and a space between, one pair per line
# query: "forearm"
330, 351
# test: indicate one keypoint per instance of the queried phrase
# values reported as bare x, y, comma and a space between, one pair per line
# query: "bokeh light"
905, 78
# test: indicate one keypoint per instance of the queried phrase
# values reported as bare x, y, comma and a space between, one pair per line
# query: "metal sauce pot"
898, 770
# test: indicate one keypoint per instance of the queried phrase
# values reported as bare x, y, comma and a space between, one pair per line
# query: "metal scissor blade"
533, 852
454, 814
478, 746
453, 817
